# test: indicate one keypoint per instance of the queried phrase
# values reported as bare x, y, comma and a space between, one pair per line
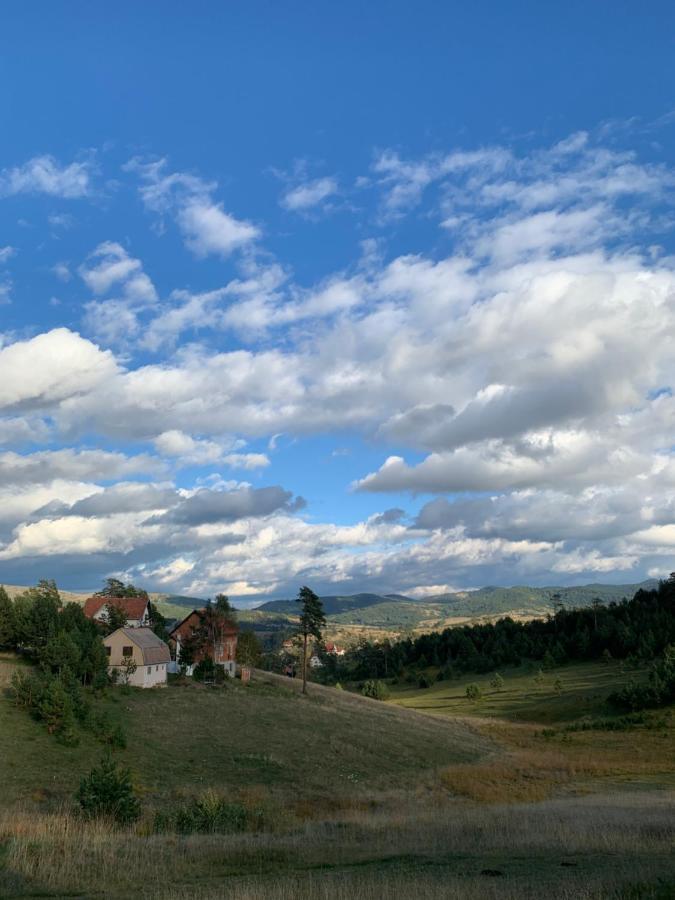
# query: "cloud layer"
516, 383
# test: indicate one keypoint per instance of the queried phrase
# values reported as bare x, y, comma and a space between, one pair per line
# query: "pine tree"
107, 792
312, 620
7, 630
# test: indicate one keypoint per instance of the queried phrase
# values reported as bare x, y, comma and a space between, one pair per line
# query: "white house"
137, 657
134, 608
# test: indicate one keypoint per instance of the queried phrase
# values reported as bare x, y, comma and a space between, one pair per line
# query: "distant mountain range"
351, 614
396, 612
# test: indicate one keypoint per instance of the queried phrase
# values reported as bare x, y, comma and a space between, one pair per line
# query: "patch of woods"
638, 631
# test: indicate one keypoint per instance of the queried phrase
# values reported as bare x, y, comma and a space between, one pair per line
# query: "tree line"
639, 630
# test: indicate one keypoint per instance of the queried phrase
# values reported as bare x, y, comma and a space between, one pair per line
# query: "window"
156, 668
107, 651
127, 651
149, 670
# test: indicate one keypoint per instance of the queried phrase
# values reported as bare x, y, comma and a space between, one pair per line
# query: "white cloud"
309, 194
206, 226
44, 175
6, 253
47, 369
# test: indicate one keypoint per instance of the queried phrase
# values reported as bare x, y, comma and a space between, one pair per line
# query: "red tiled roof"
133, 607
227, 629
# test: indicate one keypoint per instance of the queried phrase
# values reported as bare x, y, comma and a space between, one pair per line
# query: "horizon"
387, 307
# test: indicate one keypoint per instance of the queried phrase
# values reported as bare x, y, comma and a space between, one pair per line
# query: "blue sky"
371, 297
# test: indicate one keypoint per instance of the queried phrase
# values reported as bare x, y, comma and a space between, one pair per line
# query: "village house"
223, 651
333, 649
137, 657
134, 608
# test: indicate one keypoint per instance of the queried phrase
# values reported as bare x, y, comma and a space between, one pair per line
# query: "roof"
153, 649
134, 607
228, 628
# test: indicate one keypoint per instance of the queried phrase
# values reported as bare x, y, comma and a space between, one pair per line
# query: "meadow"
354, 798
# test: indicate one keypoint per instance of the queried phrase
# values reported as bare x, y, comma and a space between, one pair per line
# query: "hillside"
186, 738
393, 613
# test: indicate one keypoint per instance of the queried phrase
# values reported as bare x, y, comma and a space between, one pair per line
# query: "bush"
473, 691
107, 792
377, 690
423, 681
207, 814
207, 670
497, 682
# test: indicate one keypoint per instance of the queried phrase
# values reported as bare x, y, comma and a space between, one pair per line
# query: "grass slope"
185, 738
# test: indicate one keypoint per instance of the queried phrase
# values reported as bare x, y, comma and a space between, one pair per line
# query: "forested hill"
391, 611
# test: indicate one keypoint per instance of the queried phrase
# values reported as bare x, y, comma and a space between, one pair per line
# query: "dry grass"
576, 847
534, 768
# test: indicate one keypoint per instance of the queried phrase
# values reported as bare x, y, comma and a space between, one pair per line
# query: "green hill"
184, 739
396, 612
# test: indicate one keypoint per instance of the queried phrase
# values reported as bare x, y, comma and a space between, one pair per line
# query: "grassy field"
584, 689
362, 800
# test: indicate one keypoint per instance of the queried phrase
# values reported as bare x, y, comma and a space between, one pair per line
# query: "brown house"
134, 608
222, 650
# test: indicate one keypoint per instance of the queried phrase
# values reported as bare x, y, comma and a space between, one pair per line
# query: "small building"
139, 647
134, 608
333, 649
223, 650
315, 662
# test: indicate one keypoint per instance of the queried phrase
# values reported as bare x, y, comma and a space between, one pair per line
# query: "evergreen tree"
107, 792
7, 630
312, 620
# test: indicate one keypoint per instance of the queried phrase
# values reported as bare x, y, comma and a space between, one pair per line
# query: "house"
134, 608
222, 651
333, 649
139, 647
315, 662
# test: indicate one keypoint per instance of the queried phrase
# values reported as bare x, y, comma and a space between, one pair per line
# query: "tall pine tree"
312, 620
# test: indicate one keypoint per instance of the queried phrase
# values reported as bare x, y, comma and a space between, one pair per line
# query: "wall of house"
141, 677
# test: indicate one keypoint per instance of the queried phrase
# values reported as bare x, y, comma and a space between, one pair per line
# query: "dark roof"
133, 607
154, 649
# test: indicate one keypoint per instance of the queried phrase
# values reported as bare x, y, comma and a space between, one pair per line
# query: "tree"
473, 691
312, 620
128, 669
249, 649
7, 631
107, 792
157, 621
376, 690
558, 686
55, 708
115, 617
497, 682
116, 588
61, 653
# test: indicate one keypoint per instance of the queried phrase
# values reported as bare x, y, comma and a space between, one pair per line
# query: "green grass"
183, 739
585, 688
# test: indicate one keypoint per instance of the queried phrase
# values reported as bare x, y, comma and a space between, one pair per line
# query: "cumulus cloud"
206, 507
49, 368
520, 381
309, 194
44, 175
206, 226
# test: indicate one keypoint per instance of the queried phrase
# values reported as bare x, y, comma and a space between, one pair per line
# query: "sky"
369, 297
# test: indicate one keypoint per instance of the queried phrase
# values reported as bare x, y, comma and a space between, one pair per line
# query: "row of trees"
640, 629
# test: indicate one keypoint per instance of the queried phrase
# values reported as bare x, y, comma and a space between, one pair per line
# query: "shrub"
473, 691
497, 682
205, 670
377, 690
107, 792
423, 681
207, 814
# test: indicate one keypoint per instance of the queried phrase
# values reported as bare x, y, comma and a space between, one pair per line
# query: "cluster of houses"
141, 658
291, 646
